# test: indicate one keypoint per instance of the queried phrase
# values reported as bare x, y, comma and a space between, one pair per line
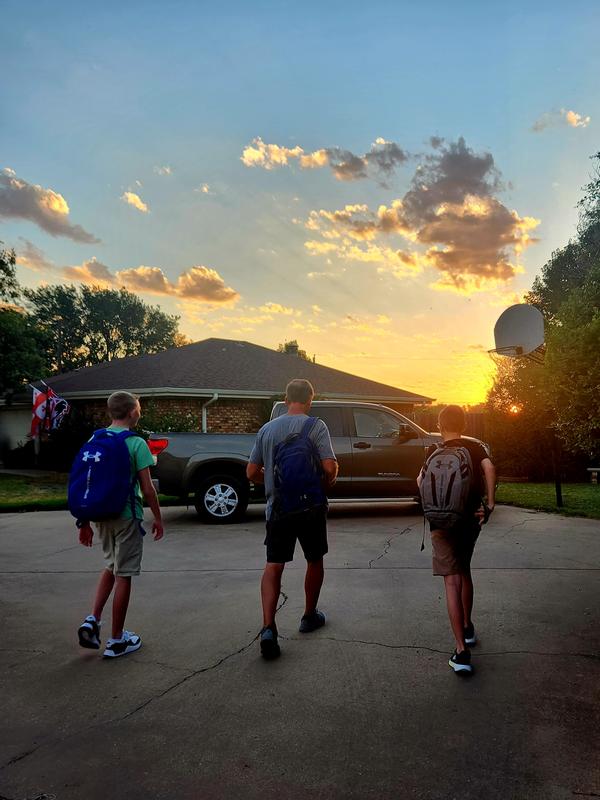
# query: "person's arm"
255, 472
151, 498
489, 476
330, 470
86, 534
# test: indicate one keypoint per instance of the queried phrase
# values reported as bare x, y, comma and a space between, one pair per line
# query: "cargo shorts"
122, 544
452, 549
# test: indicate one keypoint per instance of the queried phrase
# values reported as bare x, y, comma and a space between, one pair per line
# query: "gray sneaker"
311, 622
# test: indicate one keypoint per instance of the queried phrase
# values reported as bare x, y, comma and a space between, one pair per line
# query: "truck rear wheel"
221, 499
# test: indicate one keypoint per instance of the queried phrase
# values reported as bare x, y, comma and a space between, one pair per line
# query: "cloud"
91, 271
195, 283
380, 161
166, 170
145, 279
33, 258
553, 119
450, 218
47, 208
358, 222
277, 308
133, 199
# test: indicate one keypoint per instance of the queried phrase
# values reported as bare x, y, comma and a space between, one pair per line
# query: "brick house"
220, 385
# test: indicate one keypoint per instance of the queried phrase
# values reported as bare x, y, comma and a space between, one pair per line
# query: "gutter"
212, 400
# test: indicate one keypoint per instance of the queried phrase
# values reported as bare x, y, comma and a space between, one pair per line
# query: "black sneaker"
311, 622
128, 643
461, 662
269, 648
470, 638
89, 633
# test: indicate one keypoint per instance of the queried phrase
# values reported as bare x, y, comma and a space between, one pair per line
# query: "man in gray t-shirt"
308, 527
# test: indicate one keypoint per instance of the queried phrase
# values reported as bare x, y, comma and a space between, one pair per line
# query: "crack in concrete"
387, 546
147, 702
479, 653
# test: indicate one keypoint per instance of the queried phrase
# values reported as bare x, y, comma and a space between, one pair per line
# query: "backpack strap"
308, 426
125, 434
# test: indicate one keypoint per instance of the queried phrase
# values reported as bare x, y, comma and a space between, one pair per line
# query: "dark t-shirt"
477, 453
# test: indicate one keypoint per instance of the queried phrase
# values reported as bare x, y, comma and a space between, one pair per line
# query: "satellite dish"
519, 331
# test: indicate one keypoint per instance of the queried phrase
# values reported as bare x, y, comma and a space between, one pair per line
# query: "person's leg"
313, 582
103, 590
270, 589
466, 595
120, 605
453, 586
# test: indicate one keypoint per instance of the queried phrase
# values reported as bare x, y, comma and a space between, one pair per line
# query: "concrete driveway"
366, 707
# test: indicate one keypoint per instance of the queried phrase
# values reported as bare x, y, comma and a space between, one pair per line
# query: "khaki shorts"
122, 545
453, 549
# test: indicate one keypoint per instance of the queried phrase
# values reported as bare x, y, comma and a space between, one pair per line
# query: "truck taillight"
157, 445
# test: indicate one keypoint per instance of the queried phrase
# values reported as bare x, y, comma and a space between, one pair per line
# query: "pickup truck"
380, 453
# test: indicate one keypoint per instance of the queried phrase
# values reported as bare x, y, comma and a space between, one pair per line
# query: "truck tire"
221, 499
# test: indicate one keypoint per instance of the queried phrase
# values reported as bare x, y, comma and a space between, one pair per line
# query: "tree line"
59, 328
558, 398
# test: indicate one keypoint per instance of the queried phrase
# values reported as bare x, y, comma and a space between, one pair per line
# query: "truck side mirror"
406, 433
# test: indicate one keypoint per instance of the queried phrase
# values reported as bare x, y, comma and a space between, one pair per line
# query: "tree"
573, 367
293, 348
21, 358
58, 314
86, 326
9, 286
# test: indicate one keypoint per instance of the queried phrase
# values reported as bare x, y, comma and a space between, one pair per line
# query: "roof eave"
240, 394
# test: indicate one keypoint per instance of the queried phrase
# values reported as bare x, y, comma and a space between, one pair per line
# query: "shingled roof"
224, 366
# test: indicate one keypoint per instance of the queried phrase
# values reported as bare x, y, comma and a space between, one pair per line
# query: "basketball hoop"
519, 333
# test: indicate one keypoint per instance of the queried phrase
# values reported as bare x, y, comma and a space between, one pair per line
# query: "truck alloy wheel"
221, 499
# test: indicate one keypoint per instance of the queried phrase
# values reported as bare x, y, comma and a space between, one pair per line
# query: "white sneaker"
128, 643
89, 633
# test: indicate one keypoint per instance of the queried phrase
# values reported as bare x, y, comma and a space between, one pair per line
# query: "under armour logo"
96, 456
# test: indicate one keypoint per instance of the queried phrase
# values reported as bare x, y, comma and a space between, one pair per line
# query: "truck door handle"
362, 445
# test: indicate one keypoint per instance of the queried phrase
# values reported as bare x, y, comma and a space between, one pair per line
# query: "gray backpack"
446, 480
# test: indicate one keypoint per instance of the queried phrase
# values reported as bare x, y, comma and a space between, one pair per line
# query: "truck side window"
374, 424
332, 417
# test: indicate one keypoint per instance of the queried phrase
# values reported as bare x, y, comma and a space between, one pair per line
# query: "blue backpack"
297, 474
100, 483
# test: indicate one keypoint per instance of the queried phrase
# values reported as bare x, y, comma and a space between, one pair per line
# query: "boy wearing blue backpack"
293, 457
110, 475
452, 483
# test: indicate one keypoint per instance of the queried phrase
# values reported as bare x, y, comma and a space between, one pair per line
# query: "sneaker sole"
269, 649
471, 642
130, 649
84, 641
460, 667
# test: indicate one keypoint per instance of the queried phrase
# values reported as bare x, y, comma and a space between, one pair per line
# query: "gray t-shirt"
274, 432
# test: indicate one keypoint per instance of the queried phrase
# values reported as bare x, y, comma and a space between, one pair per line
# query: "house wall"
15, 424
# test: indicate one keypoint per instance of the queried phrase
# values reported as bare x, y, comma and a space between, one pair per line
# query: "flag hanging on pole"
57, 410
39, 411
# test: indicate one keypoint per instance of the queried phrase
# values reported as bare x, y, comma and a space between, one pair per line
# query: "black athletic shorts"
308, 527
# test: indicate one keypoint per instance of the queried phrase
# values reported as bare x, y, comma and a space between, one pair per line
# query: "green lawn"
579, 499
48, 493
21, 493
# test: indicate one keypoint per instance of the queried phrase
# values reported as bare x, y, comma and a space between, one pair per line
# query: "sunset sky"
378, 181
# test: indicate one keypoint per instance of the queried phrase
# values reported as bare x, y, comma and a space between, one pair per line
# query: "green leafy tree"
573, 367
118, 324
293, 348
86, 326
58, 314
21, 357
9, 285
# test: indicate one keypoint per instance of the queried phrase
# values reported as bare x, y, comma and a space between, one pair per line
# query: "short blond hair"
120, 404
299, 391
